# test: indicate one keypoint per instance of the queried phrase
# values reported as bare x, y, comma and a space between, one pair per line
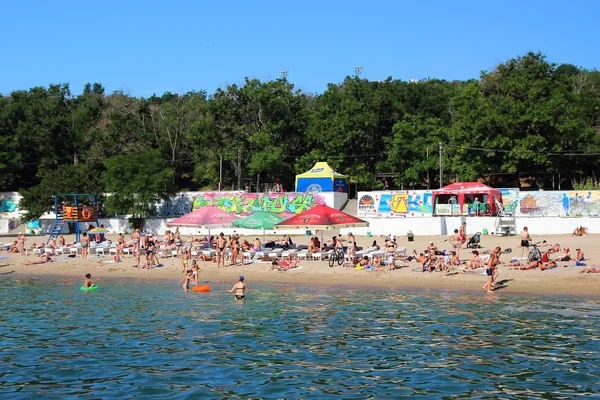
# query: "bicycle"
534, 252
336, 256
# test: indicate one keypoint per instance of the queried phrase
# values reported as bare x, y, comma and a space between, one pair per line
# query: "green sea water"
143, 339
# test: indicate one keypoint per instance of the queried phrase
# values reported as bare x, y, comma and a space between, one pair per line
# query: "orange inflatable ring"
201, 289
86, 214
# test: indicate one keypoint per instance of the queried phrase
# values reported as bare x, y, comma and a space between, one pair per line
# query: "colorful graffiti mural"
394, 204
510, 199
9, 204
249, 203
584, 204
544, 204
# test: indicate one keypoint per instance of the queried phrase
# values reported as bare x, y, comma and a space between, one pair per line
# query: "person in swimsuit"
45, 259
195, 270
257, 245
525, 239
455, 241
221, 244
136, 241
239, 289
491, 266
88, 282
85, 243
184, 260
21, 244
462, 231
185, 282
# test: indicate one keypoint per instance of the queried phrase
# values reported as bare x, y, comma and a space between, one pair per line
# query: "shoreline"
564, 280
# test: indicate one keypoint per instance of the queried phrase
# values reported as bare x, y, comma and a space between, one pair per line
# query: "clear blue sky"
151, 46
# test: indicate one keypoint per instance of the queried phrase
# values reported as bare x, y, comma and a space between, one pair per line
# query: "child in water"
195, 271
88, 282
185, 282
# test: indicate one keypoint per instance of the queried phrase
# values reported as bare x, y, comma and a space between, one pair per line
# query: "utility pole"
220, 173
441, 166
239, 168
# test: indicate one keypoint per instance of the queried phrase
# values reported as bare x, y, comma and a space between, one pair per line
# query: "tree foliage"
526, 117
136, 182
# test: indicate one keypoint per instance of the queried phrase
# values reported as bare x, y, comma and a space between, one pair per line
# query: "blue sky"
143, 47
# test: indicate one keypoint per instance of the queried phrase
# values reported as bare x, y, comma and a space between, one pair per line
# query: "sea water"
143, 339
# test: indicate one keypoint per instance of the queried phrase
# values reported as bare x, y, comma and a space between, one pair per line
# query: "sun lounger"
289, 252
275, 253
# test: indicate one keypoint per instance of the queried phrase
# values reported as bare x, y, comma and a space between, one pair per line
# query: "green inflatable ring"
90, 288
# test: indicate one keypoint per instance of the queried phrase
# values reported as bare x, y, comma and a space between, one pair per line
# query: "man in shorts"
221, 245
525, 239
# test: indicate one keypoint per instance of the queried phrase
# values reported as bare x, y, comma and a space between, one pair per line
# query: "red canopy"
205, 216
322, 217
465, 193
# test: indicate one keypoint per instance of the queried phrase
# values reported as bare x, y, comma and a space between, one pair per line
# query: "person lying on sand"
579, 231
592, 269
283, 265
43, 260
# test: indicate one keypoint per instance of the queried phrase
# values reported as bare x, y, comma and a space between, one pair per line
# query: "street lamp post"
284, 74
358, 70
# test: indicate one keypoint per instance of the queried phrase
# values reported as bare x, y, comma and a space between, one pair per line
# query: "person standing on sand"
462, 231
85, 244
239, 288
135, 236
456, 241
221, 244
21, 244
525, 239
491, 266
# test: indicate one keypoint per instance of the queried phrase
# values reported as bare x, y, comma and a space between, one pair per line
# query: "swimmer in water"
239, 289
88, 283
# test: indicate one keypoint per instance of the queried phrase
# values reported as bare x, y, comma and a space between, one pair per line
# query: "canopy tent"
321, 178
459, 198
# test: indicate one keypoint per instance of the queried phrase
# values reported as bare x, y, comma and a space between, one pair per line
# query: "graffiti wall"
543, 204
9, 204
383, 204
249, 203
584, 204
395, 204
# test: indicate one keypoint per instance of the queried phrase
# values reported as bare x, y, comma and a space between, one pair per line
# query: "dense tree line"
527, 117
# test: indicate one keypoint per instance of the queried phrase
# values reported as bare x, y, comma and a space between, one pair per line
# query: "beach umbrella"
259, 220
322, 217
205, 217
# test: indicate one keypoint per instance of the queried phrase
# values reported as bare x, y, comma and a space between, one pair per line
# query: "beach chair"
59, 251
99, 251
401, 251
290, 252
275, 253
49, 251
73, 250
112, 251
302, 255
128, 250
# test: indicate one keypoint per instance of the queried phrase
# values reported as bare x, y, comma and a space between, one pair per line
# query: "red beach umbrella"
322, 217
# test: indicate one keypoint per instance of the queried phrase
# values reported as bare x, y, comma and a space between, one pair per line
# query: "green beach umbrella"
259, 220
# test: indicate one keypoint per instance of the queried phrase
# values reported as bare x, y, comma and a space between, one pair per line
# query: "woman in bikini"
240, 288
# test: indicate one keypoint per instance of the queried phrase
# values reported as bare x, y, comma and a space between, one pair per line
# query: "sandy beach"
566, 279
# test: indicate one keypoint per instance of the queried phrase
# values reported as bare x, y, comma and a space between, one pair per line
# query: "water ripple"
131, 339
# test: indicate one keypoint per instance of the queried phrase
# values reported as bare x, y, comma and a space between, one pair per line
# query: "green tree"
136, 182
